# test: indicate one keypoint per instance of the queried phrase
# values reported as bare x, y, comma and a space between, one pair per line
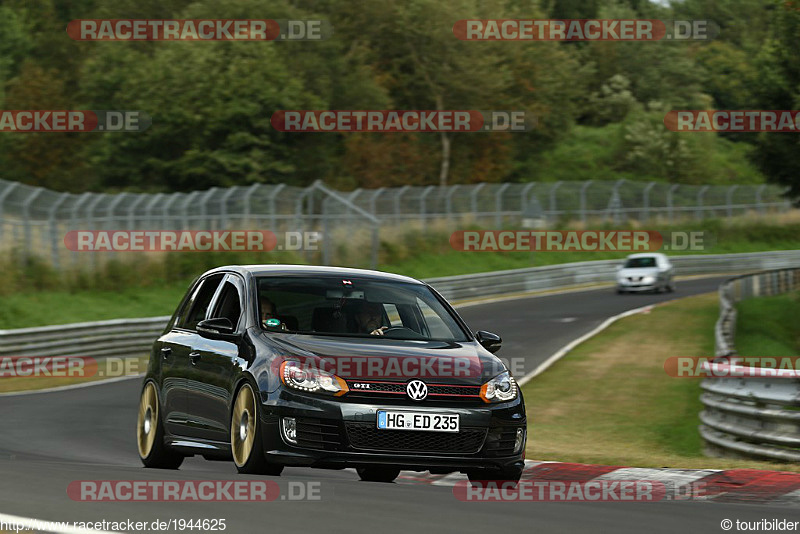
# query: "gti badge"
417, 390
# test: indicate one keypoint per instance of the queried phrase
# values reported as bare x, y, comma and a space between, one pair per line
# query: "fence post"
53, 229
553, 203
132, 209
523, 201
273, 207
615, 203
498, 205
473, 199
165, 214
248, 196
646, 201
759, 202
204, 205
6, 192
374, 198
448, 201
224, 221
397, 202
326, 243
670, 192
148, 214
729, 199
423, 212
698, 211
582, 208
26, 220
113, 205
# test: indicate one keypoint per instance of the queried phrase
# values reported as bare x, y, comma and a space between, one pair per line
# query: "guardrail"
133, 337
480, 285
750, 412
102, 339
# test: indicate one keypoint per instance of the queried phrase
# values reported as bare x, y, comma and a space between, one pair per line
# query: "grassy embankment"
610, 401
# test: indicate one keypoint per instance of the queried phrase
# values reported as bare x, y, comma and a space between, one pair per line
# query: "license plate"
389, 420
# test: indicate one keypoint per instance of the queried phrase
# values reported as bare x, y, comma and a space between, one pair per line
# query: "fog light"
519, 442
289, 429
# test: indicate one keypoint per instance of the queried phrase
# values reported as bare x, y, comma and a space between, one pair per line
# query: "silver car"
645, 272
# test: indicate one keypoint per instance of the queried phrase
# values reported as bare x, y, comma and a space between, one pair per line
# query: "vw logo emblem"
417, 390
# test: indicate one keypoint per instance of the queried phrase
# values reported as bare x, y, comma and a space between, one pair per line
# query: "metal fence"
746, 415
35, 220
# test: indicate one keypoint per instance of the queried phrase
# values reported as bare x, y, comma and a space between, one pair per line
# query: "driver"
369, 317
268, 311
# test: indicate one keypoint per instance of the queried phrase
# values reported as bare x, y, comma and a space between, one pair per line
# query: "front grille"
318, 434
500, 441
398, 390
366, 436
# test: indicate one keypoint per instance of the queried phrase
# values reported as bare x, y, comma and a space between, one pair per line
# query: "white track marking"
564, 350
71, 386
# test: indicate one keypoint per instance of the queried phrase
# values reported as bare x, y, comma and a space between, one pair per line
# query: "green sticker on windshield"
272, 322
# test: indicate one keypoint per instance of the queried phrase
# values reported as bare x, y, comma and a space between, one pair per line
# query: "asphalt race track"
51, 439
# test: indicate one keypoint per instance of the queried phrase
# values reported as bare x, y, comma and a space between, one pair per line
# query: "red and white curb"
730, 485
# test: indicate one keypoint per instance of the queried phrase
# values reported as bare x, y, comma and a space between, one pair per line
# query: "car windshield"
354, 307
636, 263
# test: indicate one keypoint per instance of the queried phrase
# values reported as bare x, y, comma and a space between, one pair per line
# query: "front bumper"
337, 433
627, 285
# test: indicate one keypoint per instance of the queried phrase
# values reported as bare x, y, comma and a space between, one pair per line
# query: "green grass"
35, 294
610, 401
59, 307
775, 337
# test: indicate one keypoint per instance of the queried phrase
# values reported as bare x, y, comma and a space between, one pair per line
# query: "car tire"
671, 288
378, 473
494, 475
246, 440
153, 452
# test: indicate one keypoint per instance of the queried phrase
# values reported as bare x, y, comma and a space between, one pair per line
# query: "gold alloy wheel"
243, 426
148, 420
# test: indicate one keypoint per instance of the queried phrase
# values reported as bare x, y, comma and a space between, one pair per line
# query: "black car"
280, 365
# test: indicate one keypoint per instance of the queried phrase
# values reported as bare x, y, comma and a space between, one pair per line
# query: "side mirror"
217, 328
489, 341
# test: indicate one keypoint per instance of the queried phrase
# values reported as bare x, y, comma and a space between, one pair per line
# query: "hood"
640, 271
383, 359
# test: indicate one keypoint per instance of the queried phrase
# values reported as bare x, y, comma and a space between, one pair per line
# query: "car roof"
313, 270
646, 255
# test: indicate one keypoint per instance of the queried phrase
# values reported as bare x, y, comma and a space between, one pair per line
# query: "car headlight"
501, 388
648, 279
312, 380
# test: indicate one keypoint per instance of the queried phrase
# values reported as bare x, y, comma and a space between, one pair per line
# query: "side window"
199, 302
229, 304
